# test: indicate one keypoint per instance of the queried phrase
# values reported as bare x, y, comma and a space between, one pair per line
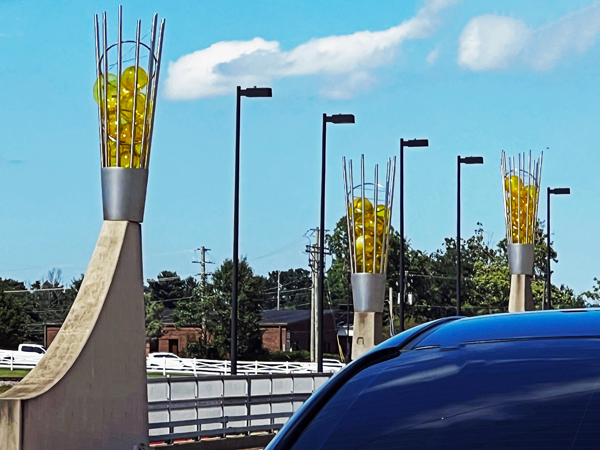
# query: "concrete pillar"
521, 297
89, 391
367, 332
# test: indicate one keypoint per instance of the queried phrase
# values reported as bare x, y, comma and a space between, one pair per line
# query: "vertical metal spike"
348, 218
510, 202
99, 92
385, 216
390, 209
504, 193
362, 194
154, 91
120, 68
105, 83
529, 238
355, 253
148, 110
384, 239
376, 188
135, 92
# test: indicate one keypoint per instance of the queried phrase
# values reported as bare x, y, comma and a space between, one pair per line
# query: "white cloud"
433, 56
346, 61
492, 42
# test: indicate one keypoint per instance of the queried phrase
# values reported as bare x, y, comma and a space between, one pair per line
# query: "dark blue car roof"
515, 326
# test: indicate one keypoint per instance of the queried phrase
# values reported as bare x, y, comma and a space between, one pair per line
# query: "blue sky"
473, 77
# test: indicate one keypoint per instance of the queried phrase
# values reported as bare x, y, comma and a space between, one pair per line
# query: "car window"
26, 348
542, 394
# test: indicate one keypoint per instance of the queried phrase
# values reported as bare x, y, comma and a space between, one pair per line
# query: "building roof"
273, 317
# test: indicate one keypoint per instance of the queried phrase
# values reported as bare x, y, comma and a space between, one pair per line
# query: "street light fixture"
250, 92
336, 119
459, 161
556, 191
403, 143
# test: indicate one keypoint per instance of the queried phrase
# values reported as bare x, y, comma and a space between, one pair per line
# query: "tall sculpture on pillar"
369, 214
521, 184
89, 390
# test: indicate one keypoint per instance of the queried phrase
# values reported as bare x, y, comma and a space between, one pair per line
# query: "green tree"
295, 289
154, 319
169, 288
209, 309
13, 320
592, 298
73, 290
47, 303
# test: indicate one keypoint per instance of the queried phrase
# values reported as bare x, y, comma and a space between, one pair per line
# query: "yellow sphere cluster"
130, 123
522, 203
368, 235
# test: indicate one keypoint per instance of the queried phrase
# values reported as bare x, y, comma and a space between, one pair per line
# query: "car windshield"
537, 394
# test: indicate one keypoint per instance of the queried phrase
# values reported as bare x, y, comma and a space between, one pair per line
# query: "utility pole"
203, 262
278, 287
313, 263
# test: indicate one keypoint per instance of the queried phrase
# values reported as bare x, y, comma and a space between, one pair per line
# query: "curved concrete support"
89, 390
521, 297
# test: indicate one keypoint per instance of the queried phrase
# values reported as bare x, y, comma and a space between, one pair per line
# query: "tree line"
204, 303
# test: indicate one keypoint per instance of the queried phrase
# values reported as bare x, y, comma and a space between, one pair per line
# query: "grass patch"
4, 388
13, 373
172, 375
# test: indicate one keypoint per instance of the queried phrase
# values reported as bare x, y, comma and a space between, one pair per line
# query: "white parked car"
27, 356
168, 361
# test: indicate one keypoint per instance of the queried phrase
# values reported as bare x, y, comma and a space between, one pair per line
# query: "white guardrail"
14, 360
168, 363
192, 366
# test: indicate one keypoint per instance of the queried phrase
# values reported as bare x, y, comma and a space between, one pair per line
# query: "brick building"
283, 330
289, 330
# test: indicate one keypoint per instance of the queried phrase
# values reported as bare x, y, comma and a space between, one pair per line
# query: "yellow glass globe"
128, 78
358, 206
512, 185
127, 108
127, 132
366, 243
112, 87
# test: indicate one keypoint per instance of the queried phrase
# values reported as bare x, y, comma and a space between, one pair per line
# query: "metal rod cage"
354, 220
521, 181
115, 134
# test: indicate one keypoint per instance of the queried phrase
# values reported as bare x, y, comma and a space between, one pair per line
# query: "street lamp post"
556, 191
403, 143
250, 92
459, 161
336, 119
